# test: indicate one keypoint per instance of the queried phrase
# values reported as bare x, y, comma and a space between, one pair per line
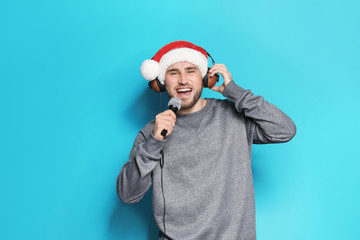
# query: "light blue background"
72, 100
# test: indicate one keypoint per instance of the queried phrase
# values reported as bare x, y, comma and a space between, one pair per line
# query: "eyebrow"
176, 69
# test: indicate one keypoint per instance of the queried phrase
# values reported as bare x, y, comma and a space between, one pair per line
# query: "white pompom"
150, 69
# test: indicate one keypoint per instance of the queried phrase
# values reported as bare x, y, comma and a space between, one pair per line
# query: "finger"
171, 114
215, 88
224, 72
165, 117
221, 71
164, 125
218, 66
170, 118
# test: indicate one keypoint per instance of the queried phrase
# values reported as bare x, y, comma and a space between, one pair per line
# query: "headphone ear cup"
205, 79
213, 80
156, 85
208, 81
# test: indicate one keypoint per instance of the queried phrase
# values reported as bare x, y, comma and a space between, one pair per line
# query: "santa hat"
178, 51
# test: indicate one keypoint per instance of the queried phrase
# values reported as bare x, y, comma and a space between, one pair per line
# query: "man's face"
183, 80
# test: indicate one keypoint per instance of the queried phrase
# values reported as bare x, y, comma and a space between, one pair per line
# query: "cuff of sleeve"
233, 91
154, 146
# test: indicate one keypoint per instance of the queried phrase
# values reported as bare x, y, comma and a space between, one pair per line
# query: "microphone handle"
163, 132
174, 109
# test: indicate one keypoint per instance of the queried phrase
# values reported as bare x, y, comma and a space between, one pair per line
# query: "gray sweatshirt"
205, 188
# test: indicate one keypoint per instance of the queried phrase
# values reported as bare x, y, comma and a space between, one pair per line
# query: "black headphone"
208, 81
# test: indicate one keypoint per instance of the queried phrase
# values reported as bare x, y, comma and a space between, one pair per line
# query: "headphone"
208, 82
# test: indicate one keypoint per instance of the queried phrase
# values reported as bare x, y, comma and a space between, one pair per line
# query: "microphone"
174, 105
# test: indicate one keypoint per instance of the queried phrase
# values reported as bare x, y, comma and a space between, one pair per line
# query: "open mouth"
184, 92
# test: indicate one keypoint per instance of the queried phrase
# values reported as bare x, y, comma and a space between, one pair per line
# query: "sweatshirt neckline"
205, 109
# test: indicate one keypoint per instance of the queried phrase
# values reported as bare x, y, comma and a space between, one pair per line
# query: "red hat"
178, 51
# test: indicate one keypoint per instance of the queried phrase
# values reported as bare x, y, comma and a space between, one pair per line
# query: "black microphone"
174, 105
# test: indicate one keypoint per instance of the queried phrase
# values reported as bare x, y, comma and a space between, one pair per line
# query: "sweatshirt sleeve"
134, 179
265, 122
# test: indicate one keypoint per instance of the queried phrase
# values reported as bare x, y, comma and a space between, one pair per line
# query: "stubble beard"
195, 99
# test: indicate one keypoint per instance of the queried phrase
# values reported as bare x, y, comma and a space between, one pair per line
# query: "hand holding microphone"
165, 121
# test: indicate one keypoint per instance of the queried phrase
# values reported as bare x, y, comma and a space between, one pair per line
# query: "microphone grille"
176, 102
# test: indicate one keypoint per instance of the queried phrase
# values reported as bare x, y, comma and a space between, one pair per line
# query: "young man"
204, 189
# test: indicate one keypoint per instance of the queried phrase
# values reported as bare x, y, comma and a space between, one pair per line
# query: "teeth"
184, 90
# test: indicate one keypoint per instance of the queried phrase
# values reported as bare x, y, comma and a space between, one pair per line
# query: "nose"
183, 79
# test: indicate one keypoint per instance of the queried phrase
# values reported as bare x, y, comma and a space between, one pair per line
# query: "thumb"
219, 89
215, 88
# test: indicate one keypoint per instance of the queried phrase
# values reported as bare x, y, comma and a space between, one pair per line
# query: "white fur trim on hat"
182, 55
150, 69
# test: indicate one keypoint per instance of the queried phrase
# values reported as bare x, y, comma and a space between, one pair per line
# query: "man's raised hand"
220, 68
165, 120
